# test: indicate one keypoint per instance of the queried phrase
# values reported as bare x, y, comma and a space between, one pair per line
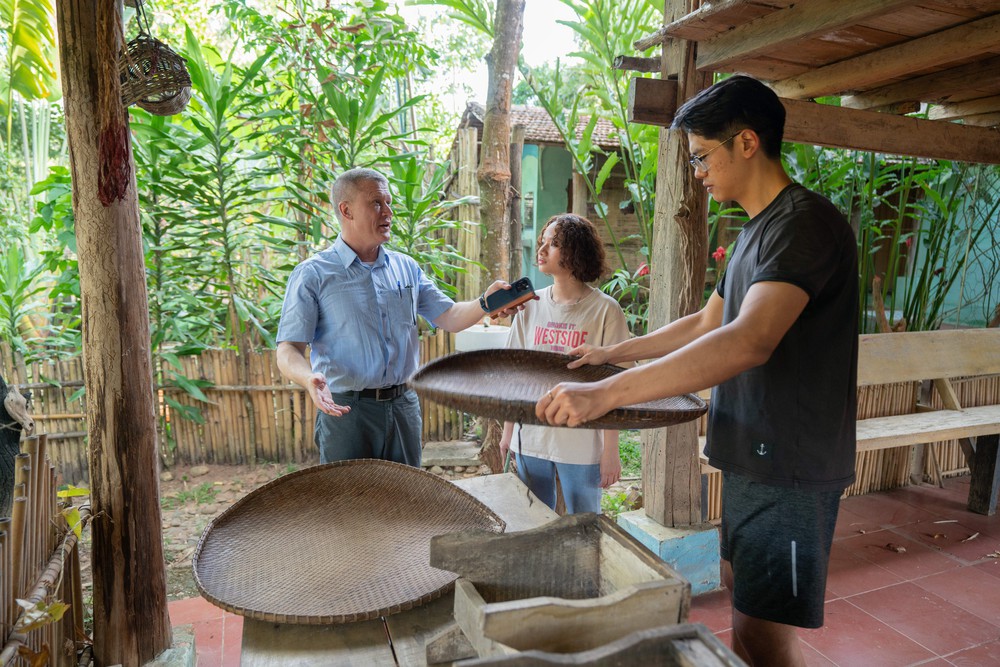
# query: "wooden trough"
574, 586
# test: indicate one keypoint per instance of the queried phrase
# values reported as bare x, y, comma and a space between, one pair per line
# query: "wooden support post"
984, 486
679, 258
131, 626
516, 148
494, 156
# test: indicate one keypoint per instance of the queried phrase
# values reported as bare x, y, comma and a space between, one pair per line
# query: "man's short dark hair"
580, 246
733, 104
344, 185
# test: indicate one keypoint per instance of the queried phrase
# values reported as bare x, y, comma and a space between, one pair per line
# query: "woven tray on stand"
334, 543
505, 384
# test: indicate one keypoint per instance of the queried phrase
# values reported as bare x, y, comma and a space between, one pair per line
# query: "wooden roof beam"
770, 33
940, 48
653, 102
983, 120
933, 88
701, 24
983, 105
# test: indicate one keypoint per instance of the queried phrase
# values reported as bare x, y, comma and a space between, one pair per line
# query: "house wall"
547, 175
975, 295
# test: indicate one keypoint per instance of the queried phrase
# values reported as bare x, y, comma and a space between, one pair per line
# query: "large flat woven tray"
505, 384
335, 543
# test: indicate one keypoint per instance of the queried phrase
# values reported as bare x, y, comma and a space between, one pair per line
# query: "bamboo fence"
268, 419
39, 563
272, 420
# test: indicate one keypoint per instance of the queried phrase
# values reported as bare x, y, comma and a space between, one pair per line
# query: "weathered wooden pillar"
470, 241
670, 467
131, 625
516, 226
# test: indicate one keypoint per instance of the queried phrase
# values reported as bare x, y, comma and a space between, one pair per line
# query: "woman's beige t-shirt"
553, 327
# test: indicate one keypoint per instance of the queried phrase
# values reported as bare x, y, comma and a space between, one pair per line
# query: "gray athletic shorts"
778, 542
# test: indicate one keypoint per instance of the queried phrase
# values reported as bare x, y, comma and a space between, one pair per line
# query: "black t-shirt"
791, 421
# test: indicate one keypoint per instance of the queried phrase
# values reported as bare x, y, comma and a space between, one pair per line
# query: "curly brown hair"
582, 251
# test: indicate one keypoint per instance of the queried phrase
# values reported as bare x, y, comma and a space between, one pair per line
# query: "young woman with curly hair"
566, 315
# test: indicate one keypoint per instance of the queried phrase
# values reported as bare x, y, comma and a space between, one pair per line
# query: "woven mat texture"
505, 384
335, 543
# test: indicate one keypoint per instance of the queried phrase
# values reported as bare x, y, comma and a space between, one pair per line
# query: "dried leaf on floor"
896, 547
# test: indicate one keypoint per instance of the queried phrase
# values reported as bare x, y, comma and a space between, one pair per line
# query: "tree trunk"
516, 148
670, 468
494, 159
131, 626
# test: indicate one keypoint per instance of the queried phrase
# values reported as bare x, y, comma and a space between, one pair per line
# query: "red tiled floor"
850, 574
852, 637
217, 633
979, 656
898, 554
969, 588
927, 619
934, 604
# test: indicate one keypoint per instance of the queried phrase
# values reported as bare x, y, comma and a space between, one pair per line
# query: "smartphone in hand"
519, 291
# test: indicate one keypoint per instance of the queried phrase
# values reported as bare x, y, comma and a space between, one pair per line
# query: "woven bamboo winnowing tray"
334, 543
505, 384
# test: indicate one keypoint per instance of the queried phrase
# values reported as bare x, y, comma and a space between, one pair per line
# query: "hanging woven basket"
153, 76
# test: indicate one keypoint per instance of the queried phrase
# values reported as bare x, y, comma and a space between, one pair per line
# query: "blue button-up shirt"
360, 321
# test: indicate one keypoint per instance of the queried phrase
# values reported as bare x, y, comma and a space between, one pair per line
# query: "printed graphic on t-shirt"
560, 336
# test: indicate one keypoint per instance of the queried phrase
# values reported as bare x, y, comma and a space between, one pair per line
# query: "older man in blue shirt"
355, 305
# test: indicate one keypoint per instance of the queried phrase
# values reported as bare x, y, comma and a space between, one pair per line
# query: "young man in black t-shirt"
778, 342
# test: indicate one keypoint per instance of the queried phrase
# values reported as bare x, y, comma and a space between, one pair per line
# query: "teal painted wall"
546, 172
974, 296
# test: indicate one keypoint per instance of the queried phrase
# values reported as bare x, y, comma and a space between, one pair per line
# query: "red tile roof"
539, 128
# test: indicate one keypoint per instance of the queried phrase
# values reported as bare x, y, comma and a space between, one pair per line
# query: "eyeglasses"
698, 161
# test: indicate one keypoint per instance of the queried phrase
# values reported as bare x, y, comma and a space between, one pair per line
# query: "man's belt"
384, 393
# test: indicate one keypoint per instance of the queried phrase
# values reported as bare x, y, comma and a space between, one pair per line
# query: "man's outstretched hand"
319, 391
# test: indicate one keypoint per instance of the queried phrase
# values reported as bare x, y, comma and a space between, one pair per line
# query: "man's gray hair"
345, 184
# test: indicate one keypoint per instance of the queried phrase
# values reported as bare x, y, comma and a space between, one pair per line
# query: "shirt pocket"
400, 310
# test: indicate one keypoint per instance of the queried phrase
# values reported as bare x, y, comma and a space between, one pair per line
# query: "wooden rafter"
975, 107
773, 31
938, 87
652, 102
947, 46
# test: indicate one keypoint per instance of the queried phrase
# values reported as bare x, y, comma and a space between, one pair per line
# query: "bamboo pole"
42, 588
5, 581
17, 518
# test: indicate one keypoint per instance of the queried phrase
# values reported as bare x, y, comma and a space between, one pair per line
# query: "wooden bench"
923, 370
932, 363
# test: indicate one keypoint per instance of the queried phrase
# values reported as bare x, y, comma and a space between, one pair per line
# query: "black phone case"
520, 291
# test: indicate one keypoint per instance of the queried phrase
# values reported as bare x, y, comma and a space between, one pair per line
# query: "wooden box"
686, 645
576, 584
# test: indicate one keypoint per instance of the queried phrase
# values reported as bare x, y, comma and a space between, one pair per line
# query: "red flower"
719, 254
643, 270
908, 241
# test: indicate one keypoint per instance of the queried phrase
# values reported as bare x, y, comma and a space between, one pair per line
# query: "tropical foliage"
234, 191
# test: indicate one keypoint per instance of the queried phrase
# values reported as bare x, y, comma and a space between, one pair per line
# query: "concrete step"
451, 453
